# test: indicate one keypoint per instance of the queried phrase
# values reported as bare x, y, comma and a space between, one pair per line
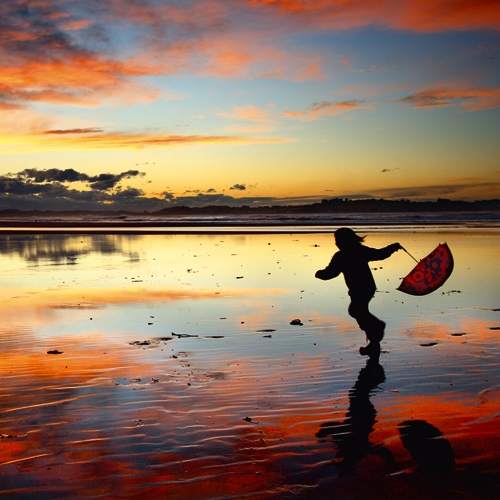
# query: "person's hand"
320, 274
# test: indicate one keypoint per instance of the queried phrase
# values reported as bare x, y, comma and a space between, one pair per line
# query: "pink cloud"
412, 15
77, 24
469, 99
216, 38
96, 139
250, 113
326, 108
49, 62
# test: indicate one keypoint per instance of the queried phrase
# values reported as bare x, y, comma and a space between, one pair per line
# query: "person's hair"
347, 238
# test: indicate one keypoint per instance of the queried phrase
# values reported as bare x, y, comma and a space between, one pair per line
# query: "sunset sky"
144, 104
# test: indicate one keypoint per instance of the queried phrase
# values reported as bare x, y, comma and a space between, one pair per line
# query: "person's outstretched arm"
332, 270
384, 253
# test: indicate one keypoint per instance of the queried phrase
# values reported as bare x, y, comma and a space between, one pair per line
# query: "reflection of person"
352, 260
351, 436
428, 447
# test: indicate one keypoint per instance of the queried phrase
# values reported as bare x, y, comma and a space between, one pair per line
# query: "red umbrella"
430, 273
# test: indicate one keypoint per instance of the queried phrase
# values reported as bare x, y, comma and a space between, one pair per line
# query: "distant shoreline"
366, 214
244, 223
333, 207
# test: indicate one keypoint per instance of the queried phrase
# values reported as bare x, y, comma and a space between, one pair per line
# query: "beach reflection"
352, 435
62, 247
431, 452
180, 375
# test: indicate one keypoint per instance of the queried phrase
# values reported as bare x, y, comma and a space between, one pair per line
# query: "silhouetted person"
352, 260
351, 436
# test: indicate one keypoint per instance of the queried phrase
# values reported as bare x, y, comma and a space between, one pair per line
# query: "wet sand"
176, 372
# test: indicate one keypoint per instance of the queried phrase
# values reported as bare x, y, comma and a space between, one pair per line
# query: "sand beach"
171, 365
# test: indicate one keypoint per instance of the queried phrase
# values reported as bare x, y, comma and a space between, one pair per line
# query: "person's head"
347, 239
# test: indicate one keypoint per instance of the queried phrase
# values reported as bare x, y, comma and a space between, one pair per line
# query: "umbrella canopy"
430, 273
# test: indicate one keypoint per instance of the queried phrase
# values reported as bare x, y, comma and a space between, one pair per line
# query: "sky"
147, 104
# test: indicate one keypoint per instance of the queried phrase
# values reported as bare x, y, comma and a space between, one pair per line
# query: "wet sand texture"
216, 366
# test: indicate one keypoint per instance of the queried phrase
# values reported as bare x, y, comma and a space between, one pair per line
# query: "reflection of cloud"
71, 297
63, 248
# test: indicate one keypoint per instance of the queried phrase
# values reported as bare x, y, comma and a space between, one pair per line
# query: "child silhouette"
352, 260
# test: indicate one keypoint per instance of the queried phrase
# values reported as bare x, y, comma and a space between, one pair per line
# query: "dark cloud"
389, 169
202, 200
104, 182
48, 190
52, 189
51, 175
101, 182
14, 186
129, 193
238, 187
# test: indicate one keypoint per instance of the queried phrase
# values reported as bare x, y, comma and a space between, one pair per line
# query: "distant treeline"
340, 205
334, 205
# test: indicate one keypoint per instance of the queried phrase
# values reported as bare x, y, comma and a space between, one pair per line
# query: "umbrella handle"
403, 248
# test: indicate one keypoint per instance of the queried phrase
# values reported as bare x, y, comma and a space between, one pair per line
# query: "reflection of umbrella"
430, 273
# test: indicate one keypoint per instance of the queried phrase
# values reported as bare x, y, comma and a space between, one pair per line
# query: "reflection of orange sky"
203, 441
18, 302
193, 441
479, 327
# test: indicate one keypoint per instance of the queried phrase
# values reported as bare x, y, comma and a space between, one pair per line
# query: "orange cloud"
94, 141
246, 55
82, 80
323, 108
412, 15
76, 25
251, 113
470, 100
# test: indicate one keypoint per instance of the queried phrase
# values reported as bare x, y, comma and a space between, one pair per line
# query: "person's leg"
370, 324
